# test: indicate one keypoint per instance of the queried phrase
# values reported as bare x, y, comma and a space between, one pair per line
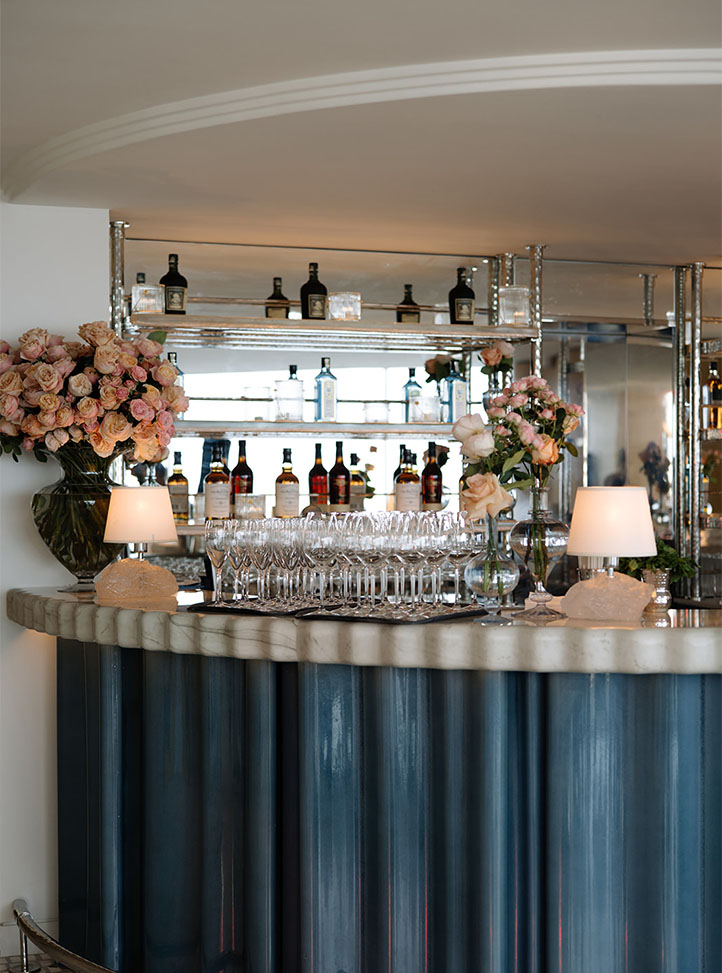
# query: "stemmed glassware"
219, 535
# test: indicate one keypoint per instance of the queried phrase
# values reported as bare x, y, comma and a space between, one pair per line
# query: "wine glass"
218, 536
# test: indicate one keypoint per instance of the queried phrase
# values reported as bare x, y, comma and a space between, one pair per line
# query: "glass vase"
70, 514
661, 600
492, 574
540, 541
495, 388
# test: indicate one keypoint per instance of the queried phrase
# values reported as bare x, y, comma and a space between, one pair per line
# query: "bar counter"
247, 793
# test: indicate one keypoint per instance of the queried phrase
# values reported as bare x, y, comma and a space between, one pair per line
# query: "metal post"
648, 298
507, 269
493, 297
695, 453
536, 253
680, 403
565, 481
117, 274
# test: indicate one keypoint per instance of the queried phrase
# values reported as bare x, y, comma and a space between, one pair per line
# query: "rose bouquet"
103, 391
498, 358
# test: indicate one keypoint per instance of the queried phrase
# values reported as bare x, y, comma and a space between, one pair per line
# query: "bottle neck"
241, 452
277, 287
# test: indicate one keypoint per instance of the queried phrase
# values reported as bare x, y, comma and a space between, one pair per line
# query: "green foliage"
158, 336
666, 559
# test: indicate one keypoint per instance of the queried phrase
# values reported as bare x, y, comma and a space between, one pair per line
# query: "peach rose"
76, 349
142, 411
9, 405
11, 383
491, 355
79, 385
64, 416
570, 424
6, 362
33, 343
106, 358
115, 427
148, 348
96, 333
56, 438
46, 376
484, 495
49, 402
109, 397
127, 361
147, 450
143, 432
100, 445
31, 427
87, 409
545, 452
164, 374
175, 398
8, 428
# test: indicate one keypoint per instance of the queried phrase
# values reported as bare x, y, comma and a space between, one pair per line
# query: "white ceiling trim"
697, 66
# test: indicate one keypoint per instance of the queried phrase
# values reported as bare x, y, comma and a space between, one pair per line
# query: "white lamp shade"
611, 522
140, 515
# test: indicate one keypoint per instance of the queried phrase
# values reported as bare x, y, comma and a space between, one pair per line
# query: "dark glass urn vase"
70, 514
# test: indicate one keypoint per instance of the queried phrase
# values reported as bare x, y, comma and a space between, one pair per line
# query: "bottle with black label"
412, 394
178, 490
318, 481
339, 482
408, 310
461, 300
313, 296
174, 287
407, 489
287, 489
712, 399
277, 303
431, 485
241, 479
217, 487
357, 493
325, 393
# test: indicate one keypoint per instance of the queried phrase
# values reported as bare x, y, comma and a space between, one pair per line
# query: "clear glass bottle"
145, 298
175, 287
407, 311
412, 395
277, 304
313, 296
712, 399
461, 300
287, 489
407, 488
318, 481
289, 397
325, 393
217, 487
178, 490
358, 485
455, 389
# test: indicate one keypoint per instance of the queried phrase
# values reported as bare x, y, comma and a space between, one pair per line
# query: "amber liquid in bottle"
712, 399
408, 310
287, 489
178, 490
357, 489
339, 480
216, 488
431, 484
407, 488
241, 477
277, 304
318, 481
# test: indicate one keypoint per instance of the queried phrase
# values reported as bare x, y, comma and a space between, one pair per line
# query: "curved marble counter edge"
454, 645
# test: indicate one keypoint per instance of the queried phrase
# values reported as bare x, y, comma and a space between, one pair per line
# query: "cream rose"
11, 383
147, 450
106, 358
79, 385
46, 377
87, 409
33, 343
175, 398
164, 374
467, 426
484, 495
546, 452
479, 445
109, 397
64, 416
96, 333
115, 427
48, 402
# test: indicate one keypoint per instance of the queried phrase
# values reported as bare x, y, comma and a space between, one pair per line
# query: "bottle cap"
177, 459
172, 257
292, 369
461, 270
412, 372
432, 449
354, 459
325, 362
140, 277
713, 364
277, 282
286, 455
312, 268
339, 445
407, 287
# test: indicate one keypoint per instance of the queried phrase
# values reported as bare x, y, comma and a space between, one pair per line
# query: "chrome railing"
30, 930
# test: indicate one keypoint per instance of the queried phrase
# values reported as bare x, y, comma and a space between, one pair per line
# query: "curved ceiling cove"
698, 66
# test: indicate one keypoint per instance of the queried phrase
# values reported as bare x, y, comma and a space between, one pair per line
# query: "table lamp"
609, 523
138, 516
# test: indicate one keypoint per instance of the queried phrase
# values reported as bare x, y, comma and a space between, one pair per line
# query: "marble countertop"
691, 642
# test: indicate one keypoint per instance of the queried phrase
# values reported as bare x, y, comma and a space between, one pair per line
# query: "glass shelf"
215, 429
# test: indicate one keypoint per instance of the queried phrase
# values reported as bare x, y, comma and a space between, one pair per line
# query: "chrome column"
507, 269
648, 298
117, 274
680, 397
536, 252
493, 287
695, 456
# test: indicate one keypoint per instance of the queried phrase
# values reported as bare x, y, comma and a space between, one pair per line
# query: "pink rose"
79, 385
500, 401
54, 340
573, 410
6, 361
128, 348
142, 411
122, 393
570, 424
484, 495
47, 377
501, 431
9, 405
164, 438
64, 367
164, 374
4, 347
11, 383
64, 416
31, 427
491, 355
96, 333
92, 426
86, 409
76, 433
91, 374
546, 453
55, 353
8, 428
33, 343
138, 373
77, 349
32, 397
148, 348
514, 418
164, 421
517, 400
106, 358
57, 438
494, 413
546, 414
115, 427
28, 444
527, 432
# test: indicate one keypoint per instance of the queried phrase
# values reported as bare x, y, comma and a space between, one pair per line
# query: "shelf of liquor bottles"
290, 335
346, 430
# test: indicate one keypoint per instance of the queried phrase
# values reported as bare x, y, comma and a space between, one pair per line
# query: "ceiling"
459, 127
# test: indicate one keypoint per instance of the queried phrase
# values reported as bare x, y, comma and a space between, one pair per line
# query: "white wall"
54, 275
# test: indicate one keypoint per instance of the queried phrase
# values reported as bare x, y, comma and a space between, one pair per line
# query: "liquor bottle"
277, 303
399, 468
180, 379
408, 310
318, 481
412, 394
216, 488
178, 490
454, 395
241, 479
145, 298
339, 482
313, 296
286, 489
461, 300
407, 489
325, 393
289, 397
175, 286
712, 399
431, 481
357, 493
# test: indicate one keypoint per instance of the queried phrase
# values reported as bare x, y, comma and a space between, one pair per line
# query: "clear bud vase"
491, 393
491, 575
540, 541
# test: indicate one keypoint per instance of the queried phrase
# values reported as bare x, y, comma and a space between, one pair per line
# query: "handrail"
29, 929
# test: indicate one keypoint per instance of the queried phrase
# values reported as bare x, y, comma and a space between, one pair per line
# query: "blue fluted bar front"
217, 815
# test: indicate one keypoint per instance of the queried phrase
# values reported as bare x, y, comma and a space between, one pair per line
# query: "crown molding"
696, 66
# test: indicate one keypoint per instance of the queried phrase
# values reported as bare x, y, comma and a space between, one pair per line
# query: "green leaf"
513, 460
520, 484
158, 336
571, 448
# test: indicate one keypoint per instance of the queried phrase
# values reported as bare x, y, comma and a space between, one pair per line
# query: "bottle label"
410, 317
317, 306
218, 501
276, 312
407, 496
457, 401
464, 310
340, 486
175, 298
327, 403
432, 485
357, 495
242, 485
433, 506
179, 499
319, 499
287, 499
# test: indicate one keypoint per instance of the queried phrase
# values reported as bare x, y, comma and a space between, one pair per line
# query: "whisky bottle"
407, 311
461, 300
399, 468
216, 488
318, 481
241, 479
277, 304
712, 399
174, 287
286, 489
178, 490
454, 405
412, 394
407, 489
313, 296
357, 493
339, 482
431, 484
325, 393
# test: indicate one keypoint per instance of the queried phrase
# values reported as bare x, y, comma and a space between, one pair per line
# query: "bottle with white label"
407, 489
286, 489
217, 488
454, 396
325, 393
175, 286
412, 394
